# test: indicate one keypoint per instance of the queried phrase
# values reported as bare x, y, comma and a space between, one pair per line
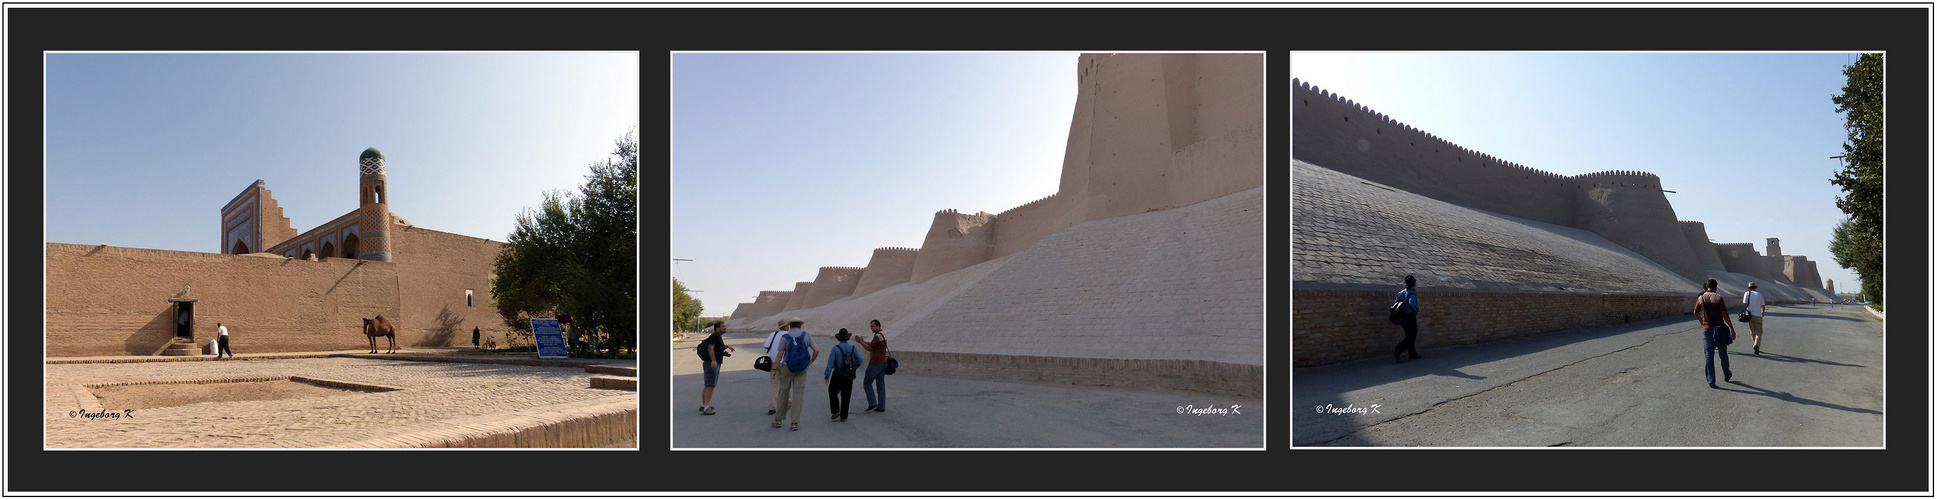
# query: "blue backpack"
797, 357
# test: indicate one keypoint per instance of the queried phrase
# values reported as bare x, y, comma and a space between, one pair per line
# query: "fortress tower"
373, 212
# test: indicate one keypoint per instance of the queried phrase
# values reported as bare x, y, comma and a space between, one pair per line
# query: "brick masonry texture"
1330, 326
111, 300
1348, 233
1482, 276
1171, 288
433, 270
114, 300
436, 404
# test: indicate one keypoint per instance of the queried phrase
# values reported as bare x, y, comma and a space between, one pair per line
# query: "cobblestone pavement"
927, 411
1348, 232
435, 399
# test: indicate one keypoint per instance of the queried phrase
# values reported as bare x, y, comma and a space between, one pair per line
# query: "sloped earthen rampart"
888, 267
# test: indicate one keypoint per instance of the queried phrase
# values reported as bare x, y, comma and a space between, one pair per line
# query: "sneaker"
1711, 385
836, 416
796, 426
702, 408
870, 408
776, 423
707, 411
877, 410
770, 412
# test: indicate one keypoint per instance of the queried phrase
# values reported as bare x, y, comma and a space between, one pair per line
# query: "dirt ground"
167, 395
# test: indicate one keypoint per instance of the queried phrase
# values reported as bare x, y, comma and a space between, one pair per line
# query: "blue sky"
144, 149
784, 163
1744, 139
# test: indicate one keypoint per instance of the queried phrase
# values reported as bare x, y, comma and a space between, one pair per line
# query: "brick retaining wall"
1330, 326
1176, 374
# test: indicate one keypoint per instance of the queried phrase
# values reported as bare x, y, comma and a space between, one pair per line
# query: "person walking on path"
773, 384
873, 384
792, 384
1408, 320
712, 353
1713, 313
839, 375
222, 339
475, 335
1752, 301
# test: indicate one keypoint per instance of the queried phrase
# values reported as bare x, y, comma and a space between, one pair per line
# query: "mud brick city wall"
1344, 325
433, 270
105, 300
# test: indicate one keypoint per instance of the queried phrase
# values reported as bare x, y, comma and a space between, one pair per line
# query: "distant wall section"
954, 241
832, 283
888, 267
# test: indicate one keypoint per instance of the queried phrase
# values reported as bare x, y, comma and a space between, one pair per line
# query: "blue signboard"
550, 340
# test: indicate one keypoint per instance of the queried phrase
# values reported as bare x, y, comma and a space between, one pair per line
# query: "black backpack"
701, 350
849, 361
1398, 314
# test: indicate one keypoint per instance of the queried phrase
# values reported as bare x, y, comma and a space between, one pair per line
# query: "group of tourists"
790, 352
1710, 310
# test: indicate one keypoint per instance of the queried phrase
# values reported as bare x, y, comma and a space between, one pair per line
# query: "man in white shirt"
222, 338
1752, 300
772, 383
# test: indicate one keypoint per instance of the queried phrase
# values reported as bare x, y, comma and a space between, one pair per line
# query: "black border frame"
1903, 30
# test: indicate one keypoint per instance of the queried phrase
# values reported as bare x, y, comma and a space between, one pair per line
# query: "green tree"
1862, 175
576, 251
686, 309
1862, 252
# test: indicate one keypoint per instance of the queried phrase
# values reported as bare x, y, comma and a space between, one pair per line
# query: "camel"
380, 327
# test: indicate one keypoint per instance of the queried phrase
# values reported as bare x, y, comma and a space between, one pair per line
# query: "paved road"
1819, 383
949, 412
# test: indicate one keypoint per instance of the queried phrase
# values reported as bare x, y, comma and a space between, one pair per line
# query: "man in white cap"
1752, 300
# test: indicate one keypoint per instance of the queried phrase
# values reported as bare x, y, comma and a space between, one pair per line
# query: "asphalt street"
1818, 383
926, 411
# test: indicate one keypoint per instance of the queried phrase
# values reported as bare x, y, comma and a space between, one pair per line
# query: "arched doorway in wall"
349, 246
308, 255
329, 250
239, 248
